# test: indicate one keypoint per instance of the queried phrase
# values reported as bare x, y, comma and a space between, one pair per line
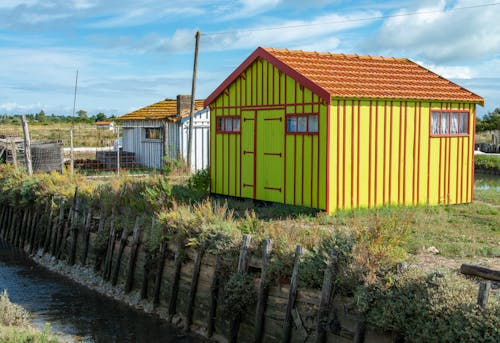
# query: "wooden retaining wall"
182, 283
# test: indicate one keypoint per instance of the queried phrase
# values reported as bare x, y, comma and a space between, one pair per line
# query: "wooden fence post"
234, 326
483, 294
214, 292
100, 228
110, 248
292, 295
50, 224
86, 236
159, 272
74, 231
194, 285
172, 302
123, 244
327, 294
58, 226
263, 291
133, 256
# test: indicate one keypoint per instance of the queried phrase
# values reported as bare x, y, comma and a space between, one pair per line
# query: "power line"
346, 20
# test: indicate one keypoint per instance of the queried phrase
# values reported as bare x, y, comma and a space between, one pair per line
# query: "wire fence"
96, 149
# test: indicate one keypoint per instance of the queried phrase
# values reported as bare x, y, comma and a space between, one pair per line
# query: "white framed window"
227, 124
449, 123
302, 123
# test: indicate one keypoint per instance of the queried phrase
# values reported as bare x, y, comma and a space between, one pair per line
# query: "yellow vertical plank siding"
389, 157
367, 153
248, 164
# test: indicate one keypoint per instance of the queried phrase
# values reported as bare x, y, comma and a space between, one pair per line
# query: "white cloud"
449, 72
447, 34
13, 107
285, 33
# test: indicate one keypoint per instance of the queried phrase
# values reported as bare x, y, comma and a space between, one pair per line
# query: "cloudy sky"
132, 53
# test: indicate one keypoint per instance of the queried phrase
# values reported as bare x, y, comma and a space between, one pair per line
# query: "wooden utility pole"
193, 92
72, 155
27, 145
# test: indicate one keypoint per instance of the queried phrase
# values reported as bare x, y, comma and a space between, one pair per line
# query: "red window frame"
449, 114
222, 120
296, 116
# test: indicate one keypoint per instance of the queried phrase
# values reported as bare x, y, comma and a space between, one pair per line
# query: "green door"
248, 154
270, 160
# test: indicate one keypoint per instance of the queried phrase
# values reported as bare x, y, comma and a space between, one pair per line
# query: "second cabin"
335, 131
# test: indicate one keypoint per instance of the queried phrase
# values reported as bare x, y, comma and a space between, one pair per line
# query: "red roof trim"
262, 53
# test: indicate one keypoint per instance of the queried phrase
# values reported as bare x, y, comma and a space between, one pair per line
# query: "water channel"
78, 313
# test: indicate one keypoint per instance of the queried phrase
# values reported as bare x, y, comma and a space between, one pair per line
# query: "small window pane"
220, 125
464, 122
313, 123
229, 125
291, 124
435, 123
236, 124
153, 133
302, 124
445, 122
454, 123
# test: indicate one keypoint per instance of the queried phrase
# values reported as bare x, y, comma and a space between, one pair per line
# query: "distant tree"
82, 114
99, 116
490, 121
40, 116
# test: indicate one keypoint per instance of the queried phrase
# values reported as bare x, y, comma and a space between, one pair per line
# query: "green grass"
489, 196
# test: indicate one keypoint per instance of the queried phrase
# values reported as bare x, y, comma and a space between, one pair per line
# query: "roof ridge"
345, 55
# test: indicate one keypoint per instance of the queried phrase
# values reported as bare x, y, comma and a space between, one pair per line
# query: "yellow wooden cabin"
336, 131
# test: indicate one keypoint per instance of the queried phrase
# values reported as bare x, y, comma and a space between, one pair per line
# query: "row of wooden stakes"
39, 229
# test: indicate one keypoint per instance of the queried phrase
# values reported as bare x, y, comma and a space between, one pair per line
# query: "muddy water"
80, 314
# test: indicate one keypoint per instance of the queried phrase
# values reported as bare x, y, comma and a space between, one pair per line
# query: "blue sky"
132, 53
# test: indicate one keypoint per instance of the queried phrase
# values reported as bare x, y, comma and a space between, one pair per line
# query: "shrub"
200, 182
11, 314
437, 307
239, 294
486, 162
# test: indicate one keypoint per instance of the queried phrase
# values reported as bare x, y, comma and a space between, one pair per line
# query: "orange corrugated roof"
161, 110
353, 76
344, 75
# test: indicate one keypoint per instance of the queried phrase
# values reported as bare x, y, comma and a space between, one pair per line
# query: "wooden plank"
327, 294
292, 296
22, 229
50, 225
359, 336
234, 326
100, 228
484, 293
60, 220
483, 272
74, 230
86, 236
111, 247
214, 293
159, 272
267, 246
123, 244
36, 218
172, 302
145, 276
133, 257
194, 286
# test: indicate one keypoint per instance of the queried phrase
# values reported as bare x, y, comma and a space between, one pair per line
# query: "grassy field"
84, 135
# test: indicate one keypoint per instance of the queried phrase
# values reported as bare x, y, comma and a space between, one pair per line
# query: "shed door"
269, 155
248, 154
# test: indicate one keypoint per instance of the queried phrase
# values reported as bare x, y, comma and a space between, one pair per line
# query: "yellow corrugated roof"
161, 110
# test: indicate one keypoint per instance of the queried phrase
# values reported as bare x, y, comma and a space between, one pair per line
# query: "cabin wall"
201, 139
391, 158
263, 161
